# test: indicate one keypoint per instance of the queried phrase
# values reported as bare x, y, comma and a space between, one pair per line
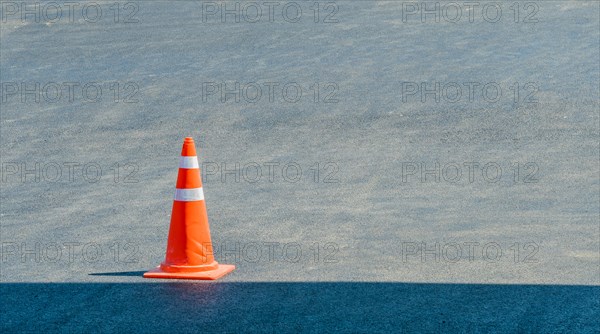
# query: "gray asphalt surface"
361, 205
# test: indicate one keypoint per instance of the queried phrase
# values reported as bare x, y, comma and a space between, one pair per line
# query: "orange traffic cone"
189, 248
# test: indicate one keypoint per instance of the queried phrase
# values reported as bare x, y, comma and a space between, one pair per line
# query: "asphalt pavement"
368, 166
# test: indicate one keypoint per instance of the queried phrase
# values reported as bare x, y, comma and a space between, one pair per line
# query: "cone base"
221, 271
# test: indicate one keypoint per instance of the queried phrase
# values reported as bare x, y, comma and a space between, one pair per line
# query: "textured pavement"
431, 177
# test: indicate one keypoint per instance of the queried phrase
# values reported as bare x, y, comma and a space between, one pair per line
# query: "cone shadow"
120, 273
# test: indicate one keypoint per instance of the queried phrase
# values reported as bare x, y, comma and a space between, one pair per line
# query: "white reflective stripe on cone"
188, 195
188, 162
